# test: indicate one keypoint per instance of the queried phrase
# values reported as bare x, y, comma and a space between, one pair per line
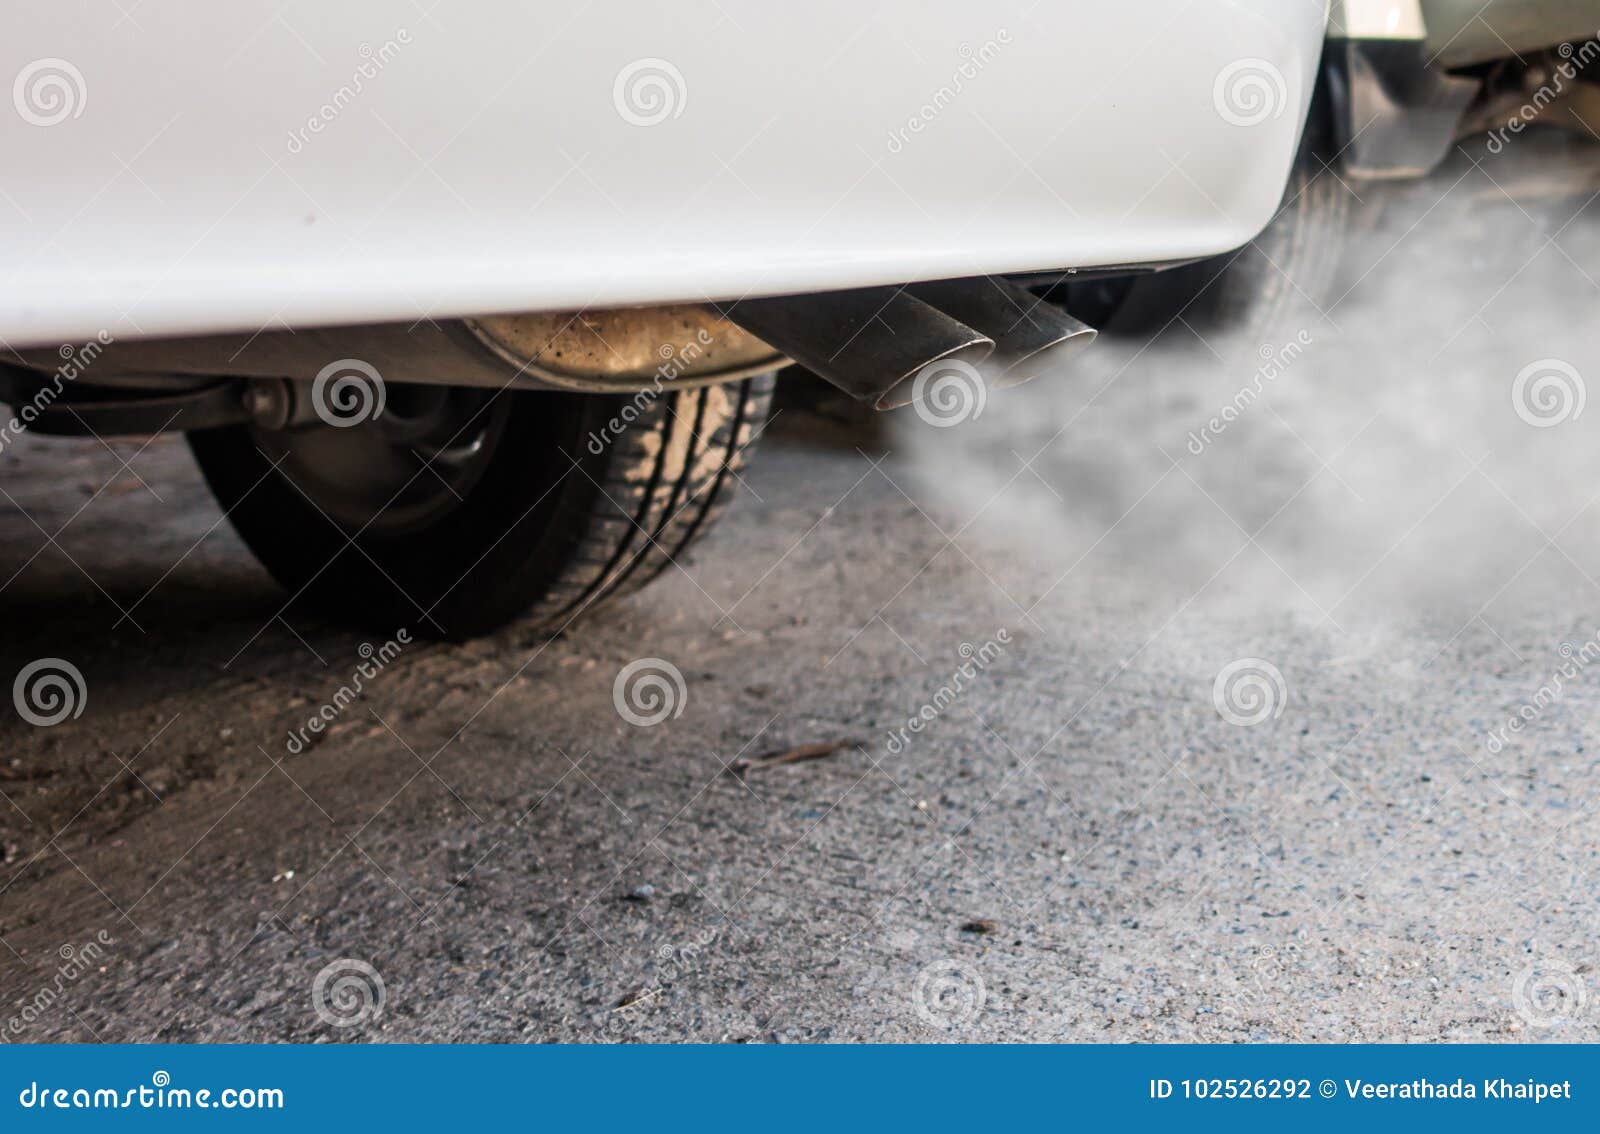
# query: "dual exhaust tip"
882, 344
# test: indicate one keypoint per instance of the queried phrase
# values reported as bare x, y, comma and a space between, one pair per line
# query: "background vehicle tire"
1274, 285
455, 511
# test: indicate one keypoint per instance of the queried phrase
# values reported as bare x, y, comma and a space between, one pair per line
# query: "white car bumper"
187, 167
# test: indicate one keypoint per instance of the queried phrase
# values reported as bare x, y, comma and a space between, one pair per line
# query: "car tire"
1277, 284
554, 501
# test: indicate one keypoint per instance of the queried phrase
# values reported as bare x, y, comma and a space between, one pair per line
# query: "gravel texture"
1087, 840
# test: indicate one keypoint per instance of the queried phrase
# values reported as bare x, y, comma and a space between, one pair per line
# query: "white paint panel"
485, 166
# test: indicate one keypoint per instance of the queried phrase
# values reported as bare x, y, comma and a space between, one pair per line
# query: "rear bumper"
219, 168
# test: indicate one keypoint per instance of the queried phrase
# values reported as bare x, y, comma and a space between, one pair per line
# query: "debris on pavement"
636, 997
796, 755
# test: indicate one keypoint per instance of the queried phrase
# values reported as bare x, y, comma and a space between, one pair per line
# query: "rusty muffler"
881, 345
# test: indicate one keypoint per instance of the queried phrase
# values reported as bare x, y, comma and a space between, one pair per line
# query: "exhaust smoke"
1413, 446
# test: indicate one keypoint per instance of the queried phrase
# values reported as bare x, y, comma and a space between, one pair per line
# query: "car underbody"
571, 282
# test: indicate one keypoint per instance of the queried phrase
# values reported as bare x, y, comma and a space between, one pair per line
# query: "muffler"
871, 342
877, 344
1029, 334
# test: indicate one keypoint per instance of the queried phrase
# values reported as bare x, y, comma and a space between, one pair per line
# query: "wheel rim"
414, 462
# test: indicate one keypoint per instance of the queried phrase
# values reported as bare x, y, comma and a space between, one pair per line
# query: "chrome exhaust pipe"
1029, 333
871, 342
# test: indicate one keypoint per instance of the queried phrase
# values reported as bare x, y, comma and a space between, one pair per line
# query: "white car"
471, 310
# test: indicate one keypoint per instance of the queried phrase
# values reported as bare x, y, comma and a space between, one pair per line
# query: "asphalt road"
1211, 745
